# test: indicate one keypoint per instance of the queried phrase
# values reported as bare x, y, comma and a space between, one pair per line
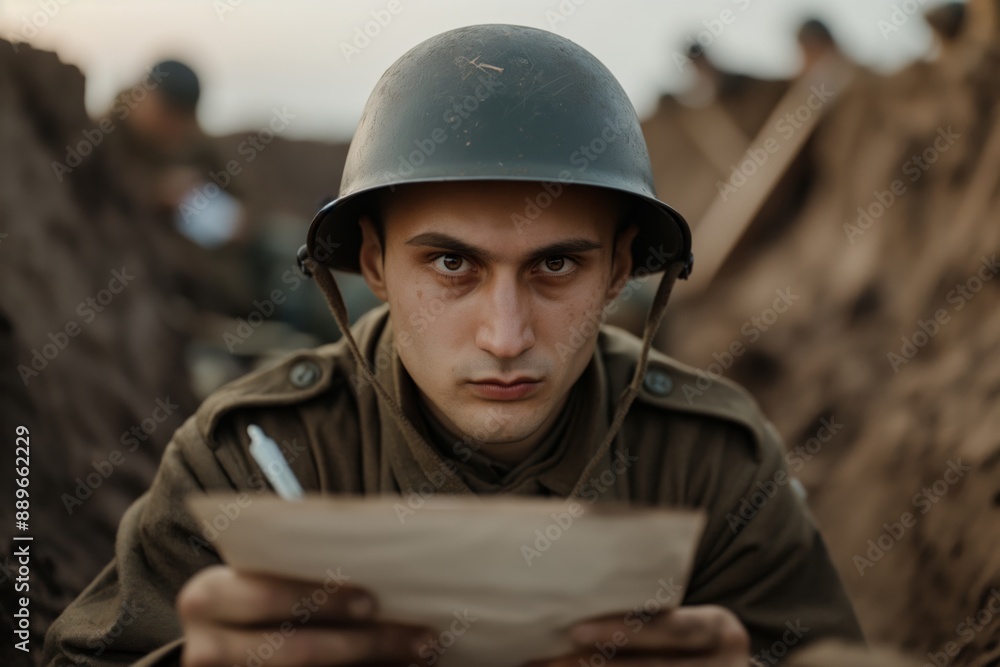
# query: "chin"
506, 438
500, 421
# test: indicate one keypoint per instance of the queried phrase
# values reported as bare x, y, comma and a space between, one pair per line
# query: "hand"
229, 617
705, 636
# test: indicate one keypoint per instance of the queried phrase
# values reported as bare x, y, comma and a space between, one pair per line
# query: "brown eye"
450, 263
556, 265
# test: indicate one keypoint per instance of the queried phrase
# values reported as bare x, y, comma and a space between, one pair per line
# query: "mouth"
505, 389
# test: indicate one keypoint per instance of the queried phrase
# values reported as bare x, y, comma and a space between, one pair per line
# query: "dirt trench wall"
92, 363
892, 332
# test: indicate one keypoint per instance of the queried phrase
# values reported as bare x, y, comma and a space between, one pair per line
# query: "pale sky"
257, 55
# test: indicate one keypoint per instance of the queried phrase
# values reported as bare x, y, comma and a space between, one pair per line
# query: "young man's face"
495, 320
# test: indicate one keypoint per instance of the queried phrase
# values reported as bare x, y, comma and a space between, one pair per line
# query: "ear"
621, 260
372, 258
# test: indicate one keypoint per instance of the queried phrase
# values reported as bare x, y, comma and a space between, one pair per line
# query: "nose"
505, 328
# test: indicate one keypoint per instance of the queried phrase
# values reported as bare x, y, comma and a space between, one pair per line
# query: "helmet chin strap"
328, 285
335, 300
653, 319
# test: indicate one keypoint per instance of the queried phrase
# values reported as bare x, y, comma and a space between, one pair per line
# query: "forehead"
507, 211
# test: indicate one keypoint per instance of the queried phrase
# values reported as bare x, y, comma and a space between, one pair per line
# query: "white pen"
268, 456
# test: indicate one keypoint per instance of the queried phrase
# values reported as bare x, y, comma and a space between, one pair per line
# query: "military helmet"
499, 102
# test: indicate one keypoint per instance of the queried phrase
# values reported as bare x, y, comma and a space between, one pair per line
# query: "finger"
699, 629
221, 595
208, 646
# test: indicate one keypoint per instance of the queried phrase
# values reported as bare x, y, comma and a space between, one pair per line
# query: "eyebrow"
459, 247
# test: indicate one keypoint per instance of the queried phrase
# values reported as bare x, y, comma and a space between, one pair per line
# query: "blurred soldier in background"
227, 258
200, 228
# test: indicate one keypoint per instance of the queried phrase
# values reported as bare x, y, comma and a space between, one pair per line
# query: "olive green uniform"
772, 570
712, 452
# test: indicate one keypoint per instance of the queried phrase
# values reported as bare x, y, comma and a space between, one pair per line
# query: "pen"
268, 456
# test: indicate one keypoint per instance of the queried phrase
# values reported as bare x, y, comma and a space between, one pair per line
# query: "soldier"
167, 159
497, 196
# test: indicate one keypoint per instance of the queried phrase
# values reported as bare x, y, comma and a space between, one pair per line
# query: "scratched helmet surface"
499, 102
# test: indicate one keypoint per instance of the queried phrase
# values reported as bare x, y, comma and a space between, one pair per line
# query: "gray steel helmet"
499, 102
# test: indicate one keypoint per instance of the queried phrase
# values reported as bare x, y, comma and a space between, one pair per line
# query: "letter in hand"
230, 617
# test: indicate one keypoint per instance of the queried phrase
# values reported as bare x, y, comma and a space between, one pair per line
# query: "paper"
499, 580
